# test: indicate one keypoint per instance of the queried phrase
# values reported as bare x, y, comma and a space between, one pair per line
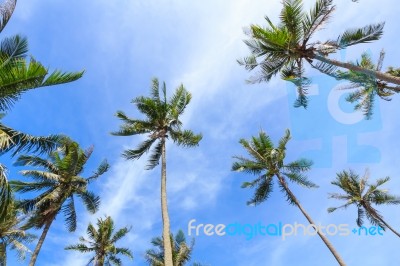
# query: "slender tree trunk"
40, 243
324, 238
390, 228
100, 260
164, 210
379, 75
3, 254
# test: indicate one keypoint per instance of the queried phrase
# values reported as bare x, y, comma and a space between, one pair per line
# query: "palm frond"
317, 17
155, 156
70, 214
103, 167
17, 141
366, 34
262, 193
185, 138
91, 201
137, 153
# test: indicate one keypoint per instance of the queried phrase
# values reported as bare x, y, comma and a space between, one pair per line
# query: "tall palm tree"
362, 194
12, 235
18, 75
161, 122
101, 242
181, 251
286, 47
267, 162
60, 182
366, 87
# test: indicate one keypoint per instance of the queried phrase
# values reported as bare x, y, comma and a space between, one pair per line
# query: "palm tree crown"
287, 46
162, 121
101, 242
181, 251
60, 182
363, 194
266, 162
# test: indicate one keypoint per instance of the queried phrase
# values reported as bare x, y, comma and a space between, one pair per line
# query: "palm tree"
18, 75
11, 234
61, 182
181, 251
285, 47
267, 162
362, 194
366, 87
102, 242
161, 122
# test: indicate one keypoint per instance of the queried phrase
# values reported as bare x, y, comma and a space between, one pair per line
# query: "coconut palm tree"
363, 194
60, 182
101, 242
162, 122
267, 162
285, 48
11, 234
181, 251
366, 87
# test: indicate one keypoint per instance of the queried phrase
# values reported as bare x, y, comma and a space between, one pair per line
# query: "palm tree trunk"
100, 260
379, 75
40, 243
324, 238
390, 228
164, 209
3, 254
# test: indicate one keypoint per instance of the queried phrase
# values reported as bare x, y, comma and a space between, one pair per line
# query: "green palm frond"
70, 214
185, 138
144, 147
317, 17
12, 48
262, 192
366, 34
19, 75
91, 201
16, 141
291, 17
155, 156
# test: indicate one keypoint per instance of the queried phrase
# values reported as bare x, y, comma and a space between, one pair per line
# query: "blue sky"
122, 45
